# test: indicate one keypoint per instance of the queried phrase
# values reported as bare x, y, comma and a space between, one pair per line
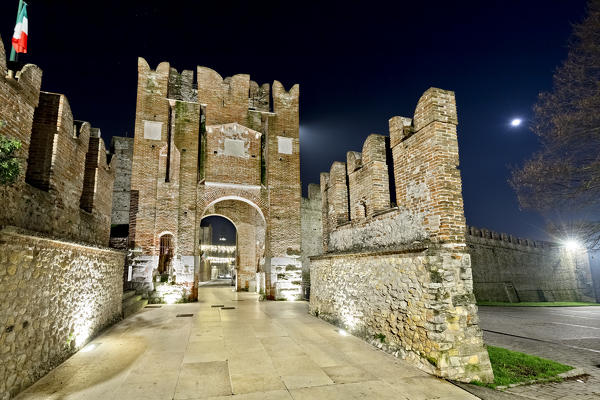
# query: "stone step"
134, 307
128, 294
132, 300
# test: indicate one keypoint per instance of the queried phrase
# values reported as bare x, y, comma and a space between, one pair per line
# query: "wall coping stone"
20, 232
419, 247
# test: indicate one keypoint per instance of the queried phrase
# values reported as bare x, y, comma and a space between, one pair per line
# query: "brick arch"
213, 195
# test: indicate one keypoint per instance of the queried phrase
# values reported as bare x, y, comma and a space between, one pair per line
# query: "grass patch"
537, 304
514, 367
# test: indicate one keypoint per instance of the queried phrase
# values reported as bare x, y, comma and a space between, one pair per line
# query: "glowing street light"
572, 245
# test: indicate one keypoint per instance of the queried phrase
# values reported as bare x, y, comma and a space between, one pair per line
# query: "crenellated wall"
394, 262
58, 286
58, 193
510, 269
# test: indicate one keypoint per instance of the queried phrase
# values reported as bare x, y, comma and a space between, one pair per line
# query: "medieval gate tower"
216, 147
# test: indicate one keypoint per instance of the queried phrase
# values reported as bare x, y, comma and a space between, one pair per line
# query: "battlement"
49, 194
410, 176
223, 98
506, 238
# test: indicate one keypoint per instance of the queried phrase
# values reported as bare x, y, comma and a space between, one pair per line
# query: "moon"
516, 122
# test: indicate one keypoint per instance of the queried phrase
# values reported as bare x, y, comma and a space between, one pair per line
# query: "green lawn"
537, 304
513, 367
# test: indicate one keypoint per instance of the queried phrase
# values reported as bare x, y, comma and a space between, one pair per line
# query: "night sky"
357, 66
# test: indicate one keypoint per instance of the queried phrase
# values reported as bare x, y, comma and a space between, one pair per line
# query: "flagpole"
13, 54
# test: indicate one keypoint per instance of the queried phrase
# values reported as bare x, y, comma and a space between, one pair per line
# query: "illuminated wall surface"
56, 296
511, 269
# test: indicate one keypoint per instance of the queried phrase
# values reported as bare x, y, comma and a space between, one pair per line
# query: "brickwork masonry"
394, 267
197, 144
65, 189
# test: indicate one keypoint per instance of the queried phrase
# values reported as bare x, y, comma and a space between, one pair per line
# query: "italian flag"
19, 39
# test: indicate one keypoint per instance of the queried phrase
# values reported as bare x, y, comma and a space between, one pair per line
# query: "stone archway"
217, 258
250, 226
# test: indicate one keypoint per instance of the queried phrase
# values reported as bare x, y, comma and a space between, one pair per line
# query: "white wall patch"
152, 130
234, 147
285, 144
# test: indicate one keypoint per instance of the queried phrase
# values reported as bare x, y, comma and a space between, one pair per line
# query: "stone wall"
395, 266
55, 193
418, 304
122, 150
56, 296
312, 230
506, 268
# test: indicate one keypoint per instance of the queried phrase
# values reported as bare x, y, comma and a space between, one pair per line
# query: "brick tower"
216, 146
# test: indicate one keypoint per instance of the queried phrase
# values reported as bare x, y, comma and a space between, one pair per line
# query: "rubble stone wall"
418, 304
56, 296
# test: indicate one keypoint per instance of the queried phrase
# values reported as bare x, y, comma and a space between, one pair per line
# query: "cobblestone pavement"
258, 350
570, 335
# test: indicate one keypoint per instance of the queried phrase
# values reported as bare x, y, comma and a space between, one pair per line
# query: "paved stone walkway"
570, 335
259, 350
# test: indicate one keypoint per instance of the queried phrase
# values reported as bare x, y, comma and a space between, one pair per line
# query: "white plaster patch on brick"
234, 147
285, 145
152, 130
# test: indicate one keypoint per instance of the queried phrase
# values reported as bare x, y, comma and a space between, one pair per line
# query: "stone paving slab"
260, 350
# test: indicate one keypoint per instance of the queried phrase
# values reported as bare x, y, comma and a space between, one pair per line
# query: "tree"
563, 178
10, 167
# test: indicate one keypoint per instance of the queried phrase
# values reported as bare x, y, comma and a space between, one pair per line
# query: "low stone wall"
512, 270
418, 304
55, 295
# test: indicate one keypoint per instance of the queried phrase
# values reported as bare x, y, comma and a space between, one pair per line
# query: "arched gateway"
216, 146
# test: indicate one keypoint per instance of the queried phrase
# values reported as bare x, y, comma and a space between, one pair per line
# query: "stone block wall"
396, 267
47, 197
510, 269
122, 150
312, 229
56, 295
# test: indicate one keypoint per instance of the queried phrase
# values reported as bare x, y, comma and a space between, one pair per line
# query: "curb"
575, 372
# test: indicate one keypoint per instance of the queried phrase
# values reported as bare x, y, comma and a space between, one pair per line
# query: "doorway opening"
165, 258
218, 249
